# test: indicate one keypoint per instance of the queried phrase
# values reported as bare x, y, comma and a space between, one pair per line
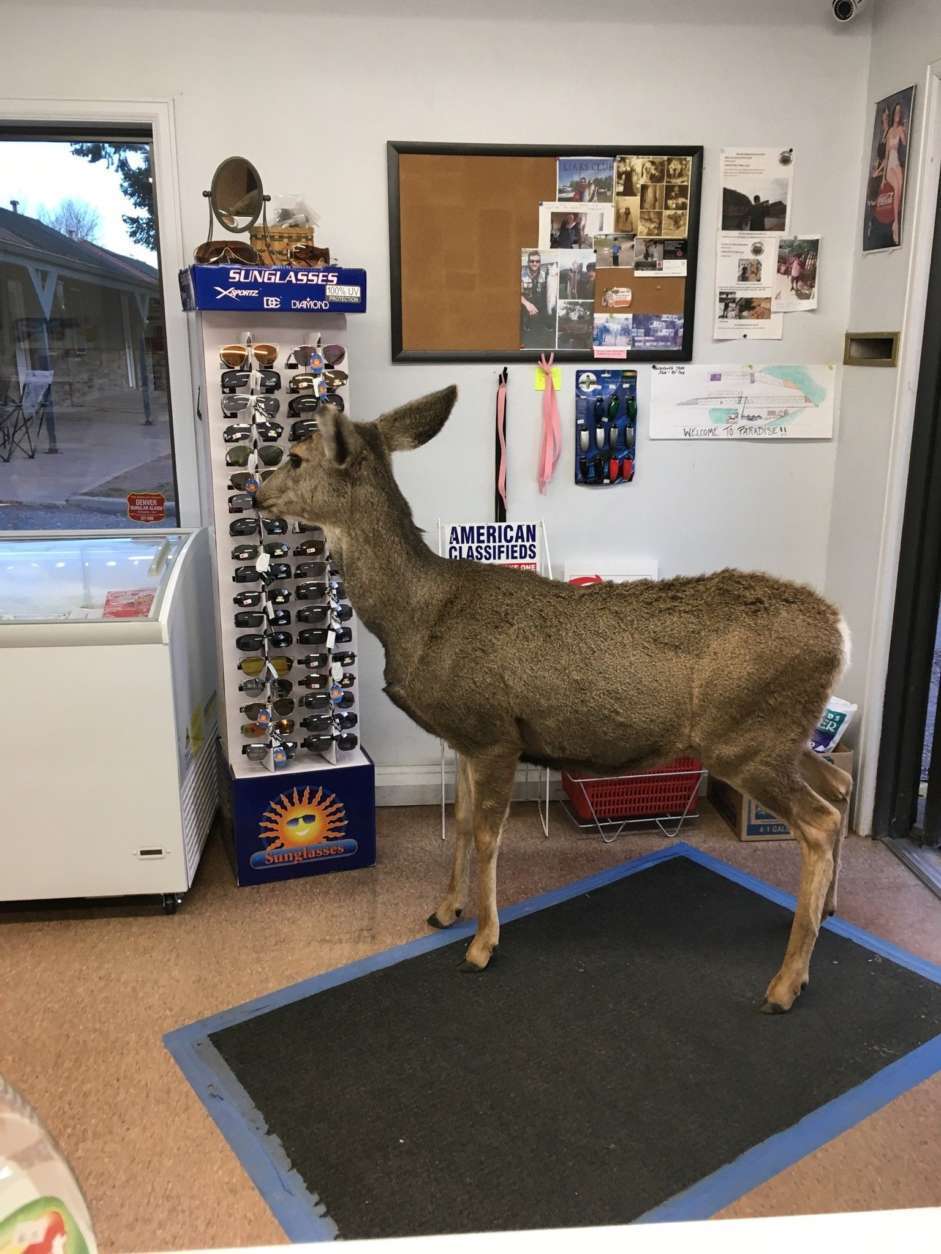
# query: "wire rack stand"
610, 804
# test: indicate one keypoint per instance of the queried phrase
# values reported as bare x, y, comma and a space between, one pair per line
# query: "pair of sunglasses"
308, 255
256, 709
281, 751
251, 600
267, 454
249, 552
265, 431
232, 380
284, 725
306, 357
255, 665
218, 252
274, 687
250, 526
318, 635
346, 741
310, 548
240, 356
233, 404
303, 406
248, 481
335, 378
255, 641
259, 618
322, 613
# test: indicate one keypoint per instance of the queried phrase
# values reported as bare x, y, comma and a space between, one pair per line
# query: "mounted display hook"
499, 495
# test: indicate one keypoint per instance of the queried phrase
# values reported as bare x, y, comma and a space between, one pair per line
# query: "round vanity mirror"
236, 194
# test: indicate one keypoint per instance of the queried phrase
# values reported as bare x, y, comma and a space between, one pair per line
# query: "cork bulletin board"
464, 218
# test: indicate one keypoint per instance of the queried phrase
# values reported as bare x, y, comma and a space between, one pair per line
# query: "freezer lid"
48, 579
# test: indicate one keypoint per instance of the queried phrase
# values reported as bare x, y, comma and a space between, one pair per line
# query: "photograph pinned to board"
614, 250
756, 188
659, 256
656, 331
888, 163
550, 279
611, 335
562, 226
585, 178
605, 427
742, 402
795, 278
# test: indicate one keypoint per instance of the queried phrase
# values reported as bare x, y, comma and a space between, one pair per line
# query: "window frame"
119, 116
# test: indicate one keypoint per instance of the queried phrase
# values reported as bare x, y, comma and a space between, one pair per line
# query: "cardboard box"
282, 825
749, 820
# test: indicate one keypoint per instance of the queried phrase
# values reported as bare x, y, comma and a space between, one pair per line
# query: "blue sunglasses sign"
273, 289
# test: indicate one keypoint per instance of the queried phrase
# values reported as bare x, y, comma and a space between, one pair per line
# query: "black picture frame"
397, 148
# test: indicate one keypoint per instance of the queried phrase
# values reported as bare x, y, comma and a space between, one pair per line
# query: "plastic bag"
291, 209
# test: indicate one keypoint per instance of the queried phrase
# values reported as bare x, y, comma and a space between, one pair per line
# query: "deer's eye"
295, 461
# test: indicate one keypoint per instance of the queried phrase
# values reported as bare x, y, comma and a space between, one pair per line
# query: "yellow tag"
540, 381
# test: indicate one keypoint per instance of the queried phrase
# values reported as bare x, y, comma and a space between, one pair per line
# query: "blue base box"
307, 823
274, 289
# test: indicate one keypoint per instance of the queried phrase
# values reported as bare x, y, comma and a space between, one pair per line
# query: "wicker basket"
274, 247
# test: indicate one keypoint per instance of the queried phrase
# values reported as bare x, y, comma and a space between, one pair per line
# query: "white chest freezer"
108, 747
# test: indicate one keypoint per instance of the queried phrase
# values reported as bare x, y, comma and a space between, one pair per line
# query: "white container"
41, 1204
109, 742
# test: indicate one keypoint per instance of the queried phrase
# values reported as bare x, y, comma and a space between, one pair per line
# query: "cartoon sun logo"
303, 818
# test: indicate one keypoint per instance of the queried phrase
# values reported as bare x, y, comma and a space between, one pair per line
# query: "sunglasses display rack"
287, 634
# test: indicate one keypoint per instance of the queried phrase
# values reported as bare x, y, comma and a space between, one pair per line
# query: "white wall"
875, 427
312, 95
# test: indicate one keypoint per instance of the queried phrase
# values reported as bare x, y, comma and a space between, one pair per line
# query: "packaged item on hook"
605, 426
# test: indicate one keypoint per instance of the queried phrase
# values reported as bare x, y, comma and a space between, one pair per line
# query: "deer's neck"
395, 583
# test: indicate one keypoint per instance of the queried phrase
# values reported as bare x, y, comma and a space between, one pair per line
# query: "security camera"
846, 10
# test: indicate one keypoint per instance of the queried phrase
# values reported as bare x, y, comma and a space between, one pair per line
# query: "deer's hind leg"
452, 905
492, 786
781, 788
835, 784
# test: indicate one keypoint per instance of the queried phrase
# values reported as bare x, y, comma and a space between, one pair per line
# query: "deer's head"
323, 473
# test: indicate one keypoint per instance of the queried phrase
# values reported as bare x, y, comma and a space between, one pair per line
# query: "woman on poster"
895, 164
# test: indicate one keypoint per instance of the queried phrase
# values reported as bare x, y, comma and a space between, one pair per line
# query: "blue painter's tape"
302, 1215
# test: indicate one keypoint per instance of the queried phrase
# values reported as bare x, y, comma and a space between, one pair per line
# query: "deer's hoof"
434, 921
773, 1008
468, 967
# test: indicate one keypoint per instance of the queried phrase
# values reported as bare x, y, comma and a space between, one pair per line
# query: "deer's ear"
340, 437
414, 424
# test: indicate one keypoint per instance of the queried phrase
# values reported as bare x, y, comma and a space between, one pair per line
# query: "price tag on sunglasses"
271, 610
336, 671
262, 562
331, 639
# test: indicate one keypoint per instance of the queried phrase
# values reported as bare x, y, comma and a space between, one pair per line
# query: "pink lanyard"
551, 427
501, 435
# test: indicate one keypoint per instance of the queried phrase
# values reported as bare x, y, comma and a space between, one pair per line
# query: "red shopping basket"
657, 792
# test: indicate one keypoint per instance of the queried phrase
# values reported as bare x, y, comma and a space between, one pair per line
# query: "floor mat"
611, 1066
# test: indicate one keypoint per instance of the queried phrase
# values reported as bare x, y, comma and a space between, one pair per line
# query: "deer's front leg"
452, 906
492, 786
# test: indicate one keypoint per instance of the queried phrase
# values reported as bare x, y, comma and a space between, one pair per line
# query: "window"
85, 422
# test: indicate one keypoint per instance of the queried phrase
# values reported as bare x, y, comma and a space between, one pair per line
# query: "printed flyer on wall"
742, 402
745, 276
756, 188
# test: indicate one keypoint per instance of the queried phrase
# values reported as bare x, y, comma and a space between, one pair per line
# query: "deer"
732, 667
